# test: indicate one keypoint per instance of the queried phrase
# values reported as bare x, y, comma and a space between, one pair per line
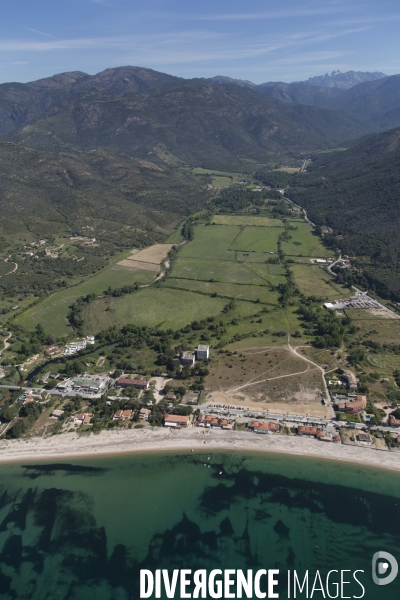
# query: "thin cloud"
39, 32
184, 46
285, 14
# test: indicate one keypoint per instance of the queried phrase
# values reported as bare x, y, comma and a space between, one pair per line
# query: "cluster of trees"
279, 208
236, 199
75, 317
330, 331
272, 178
28, 414
187, 231
75, 311
25, 343
122, 291
43, 275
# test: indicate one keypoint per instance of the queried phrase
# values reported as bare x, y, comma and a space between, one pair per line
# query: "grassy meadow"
252, 293
165, 308
304, 243
313, 280
52, 312
258, 239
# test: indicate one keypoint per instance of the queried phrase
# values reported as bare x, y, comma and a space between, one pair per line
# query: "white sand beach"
72, 445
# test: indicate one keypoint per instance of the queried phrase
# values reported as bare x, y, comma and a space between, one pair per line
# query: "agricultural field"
148, 259
259, 221
136, 265
216, 270
52, 312
258, 239
210, 242
247, 257
304, 243
165, 308
315, 281
221, 182
252, 293
153, 254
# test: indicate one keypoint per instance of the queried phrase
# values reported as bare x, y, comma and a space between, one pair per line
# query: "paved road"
301, 208
333, 264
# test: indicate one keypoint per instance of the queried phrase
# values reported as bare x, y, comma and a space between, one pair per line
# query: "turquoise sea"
83, 529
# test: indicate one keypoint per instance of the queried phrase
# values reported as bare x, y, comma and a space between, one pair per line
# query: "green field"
217, 270
258, 239
247, 257
304, 243
386, 362
221, 182
175, 237
165, 308
275, 269
210, 242
260, 221
315, 281
227, 290
52, 312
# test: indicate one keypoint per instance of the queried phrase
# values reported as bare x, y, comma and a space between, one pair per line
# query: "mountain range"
147, 114
336, 79
115, 147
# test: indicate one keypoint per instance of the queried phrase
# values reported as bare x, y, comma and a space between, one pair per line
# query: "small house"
144, 414
203, 352
364, 438
188, 358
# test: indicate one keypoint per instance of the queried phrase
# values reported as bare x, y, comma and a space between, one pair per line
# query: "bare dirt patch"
268, 379
382, 313
153, 254
304, 403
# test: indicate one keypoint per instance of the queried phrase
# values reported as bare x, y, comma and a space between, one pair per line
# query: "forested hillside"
43, 189
191, 121
357, 193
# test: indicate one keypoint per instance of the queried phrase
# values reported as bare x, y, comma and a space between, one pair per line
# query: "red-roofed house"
140, 384
176, 421
122, 415
262, 427
313, 431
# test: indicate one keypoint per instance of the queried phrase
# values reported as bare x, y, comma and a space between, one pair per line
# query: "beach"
119, 442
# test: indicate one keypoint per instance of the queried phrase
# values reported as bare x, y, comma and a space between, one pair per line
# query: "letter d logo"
380, 568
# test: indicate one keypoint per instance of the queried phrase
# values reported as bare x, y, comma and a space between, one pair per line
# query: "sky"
258, 40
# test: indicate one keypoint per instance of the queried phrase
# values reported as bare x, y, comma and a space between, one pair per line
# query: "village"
133, 401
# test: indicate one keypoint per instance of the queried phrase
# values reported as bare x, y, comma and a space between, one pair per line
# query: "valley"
140, 233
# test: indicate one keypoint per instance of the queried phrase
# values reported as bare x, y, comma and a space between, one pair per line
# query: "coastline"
121, 442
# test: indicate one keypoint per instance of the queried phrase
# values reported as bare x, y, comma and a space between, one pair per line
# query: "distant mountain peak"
224, 80
345, 81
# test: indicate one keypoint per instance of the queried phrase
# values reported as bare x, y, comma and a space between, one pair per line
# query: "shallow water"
83, 529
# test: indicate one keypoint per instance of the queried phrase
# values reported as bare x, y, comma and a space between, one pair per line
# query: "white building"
188, 358
203, 352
